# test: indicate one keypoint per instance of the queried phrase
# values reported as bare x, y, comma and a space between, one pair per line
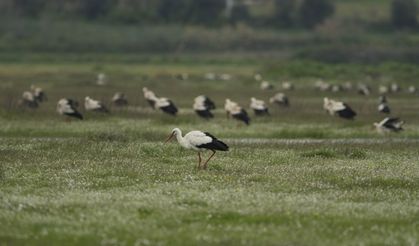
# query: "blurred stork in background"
68, 107
150, 97
265, 85
412, 89
382, 105
389, 125
101, 79
233, 109
203, 106
336, 108
281, 99
321, 85
364, 89
94, 105
38, 93
119, 99
259, 107
383, 89
288, 86
28, 100
164, 104
395, 88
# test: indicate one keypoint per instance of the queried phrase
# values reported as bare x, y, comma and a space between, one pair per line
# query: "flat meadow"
298, 177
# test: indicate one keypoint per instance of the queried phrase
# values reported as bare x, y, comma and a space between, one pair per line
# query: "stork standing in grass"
166, 105
340, 109
237, 112
281, 99
265, 85
199, 141
259, 107
29, 100
364, 89
94, 105
150, 96
383, 106
38, 93
412, 89
203, 106
68, 107
119, 99
389, 125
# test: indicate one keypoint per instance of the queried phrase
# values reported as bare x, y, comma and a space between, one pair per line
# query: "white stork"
258, 77
119, 99
166, 105
347, 86
38, 93
287, 86
68, 107
322, 86
210, 76
259, 107
364, 89
225, 77
412, 89
340, 109
237, 112
150, 97
281, 99
198, 141
94, 105
336, 88
29, 100
383, 106
101, 79
203, 106
265, 85
383, 89
395, 87
389, 125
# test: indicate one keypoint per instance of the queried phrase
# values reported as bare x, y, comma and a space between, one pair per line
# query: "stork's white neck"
181, 140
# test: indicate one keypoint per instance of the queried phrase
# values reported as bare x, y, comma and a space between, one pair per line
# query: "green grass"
111, 180
78, 191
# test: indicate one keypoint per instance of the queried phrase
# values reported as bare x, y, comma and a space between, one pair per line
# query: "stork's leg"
206, 163
199, 160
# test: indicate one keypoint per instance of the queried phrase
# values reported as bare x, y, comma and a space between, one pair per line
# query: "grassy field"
110, 180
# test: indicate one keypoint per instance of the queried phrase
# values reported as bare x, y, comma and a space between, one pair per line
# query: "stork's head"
175, 132
145, 89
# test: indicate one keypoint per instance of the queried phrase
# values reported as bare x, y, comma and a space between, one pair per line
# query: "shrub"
404, 13
314, 12
284, 13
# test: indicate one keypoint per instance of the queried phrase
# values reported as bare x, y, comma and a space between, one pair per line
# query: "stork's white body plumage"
68, 107
162, 103
38, 93
237, 112
337, 108
280, 99
202, 106
119, 99
29, 100
389, 125
199, 141
259, 107
265, 85
94, 105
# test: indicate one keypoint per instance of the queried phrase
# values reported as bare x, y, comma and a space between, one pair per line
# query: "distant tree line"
287, 13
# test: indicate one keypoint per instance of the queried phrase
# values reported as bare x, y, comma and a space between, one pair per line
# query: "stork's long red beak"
170, 137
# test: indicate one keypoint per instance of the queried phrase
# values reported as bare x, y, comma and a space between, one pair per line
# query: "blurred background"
362, 31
